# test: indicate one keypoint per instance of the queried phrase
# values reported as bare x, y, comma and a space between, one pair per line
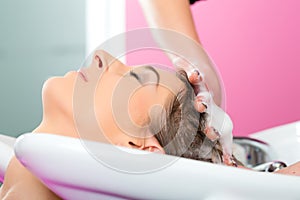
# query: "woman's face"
111, 102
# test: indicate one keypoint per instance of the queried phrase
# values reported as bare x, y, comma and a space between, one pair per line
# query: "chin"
49, 85
60, 84
57, 93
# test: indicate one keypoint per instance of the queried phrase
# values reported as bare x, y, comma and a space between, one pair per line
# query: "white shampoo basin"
285, 141
79, 170
6, 152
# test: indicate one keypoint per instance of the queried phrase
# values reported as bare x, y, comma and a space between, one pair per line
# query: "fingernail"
201, 107
197, 71
211, 134
198, 106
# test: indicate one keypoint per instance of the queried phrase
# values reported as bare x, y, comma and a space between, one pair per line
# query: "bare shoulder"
20, 184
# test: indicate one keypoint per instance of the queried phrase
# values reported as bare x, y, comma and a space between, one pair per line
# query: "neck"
59, 124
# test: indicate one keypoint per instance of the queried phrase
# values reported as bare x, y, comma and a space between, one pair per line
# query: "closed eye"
145, 75
131, 73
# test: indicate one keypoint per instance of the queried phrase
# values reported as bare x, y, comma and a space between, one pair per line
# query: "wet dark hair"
182, 133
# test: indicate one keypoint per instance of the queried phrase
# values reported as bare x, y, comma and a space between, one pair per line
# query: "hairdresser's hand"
219, 125
217, 119
203, 97
202, 101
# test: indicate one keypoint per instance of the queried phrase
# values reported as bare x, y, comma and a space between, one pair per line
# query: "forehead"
170, 80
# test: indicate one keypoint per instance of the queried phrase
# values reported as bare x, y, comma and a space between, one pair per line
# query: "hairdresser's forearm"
170, 14
176, 15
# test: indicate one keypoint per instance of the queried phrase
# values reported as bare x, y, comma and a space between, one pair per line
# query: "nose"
112, 63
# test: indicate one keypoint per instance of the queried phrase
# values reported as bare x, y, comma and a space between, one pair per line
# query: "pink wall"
256, 46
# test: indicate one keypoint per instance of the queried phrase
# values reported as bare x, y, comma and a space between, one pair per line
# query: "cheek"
103, 109
108, 110
144, 103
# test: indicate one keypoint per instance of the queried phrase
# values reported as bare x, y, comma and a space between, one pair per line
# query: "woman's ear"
152, 145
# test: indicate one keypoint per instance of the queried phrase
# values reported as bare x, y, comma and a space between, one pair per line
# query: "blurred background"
39, 39
255, 45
